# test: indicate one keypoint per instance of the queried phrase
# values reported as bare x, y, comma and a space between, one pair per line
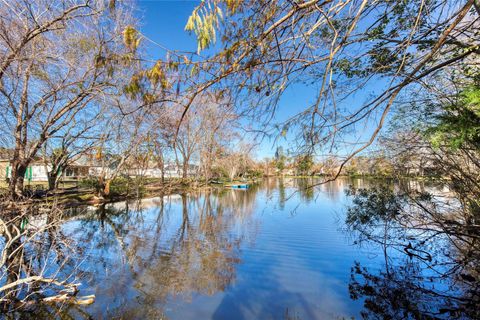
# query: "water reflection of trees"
201, 259
431, 251
179, 247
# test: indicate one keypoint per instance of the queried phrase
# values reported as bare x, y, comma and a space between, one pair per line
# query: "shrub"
90, 183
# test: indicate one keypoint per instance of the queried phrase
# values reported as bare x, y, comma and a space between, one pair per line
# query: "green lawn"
44, 184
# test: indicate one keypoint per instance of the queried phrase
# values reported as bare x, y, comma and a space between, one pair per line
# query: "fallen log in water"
66, 298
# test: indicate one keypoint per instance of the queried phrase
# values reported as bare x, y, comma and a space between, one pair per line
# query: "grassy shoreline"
72, 195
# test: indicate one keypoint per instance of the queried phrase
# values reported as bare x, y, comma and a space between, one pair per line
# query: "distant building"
37, 171
88, 166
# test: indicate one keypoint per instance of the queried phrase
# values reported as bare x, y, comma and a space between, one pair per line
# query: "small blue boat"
238, 186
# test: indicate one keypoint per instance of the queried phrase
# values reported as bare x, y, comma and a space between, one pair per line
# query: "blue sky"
163, 22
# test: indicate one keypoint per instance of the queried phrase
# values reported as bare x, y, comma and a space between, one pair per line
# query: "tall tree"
59, 62
218, 121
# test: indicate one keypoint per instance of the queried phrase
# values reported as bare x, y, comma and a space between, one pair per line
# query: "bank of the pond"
73, 195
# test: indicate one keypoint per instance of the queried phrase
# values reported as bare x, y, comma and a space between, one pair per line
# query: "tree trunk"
54, 175
52, 183
104, 187
185, 170
17, 180
161, 165
53, 180
207, 174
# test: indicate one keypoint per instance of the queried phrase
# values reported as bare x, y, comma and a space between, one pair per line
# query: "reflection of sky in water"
299, 262
292, 257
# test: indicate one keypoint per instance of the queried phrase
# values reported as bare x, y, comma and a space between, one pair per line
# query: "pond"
275, 251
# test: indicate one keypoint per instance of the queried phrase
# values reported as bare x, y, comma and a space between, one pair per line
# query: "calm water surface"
275, 251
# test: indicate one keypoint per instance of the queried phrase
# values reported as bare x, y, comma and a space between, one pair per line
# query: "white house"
37, 171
